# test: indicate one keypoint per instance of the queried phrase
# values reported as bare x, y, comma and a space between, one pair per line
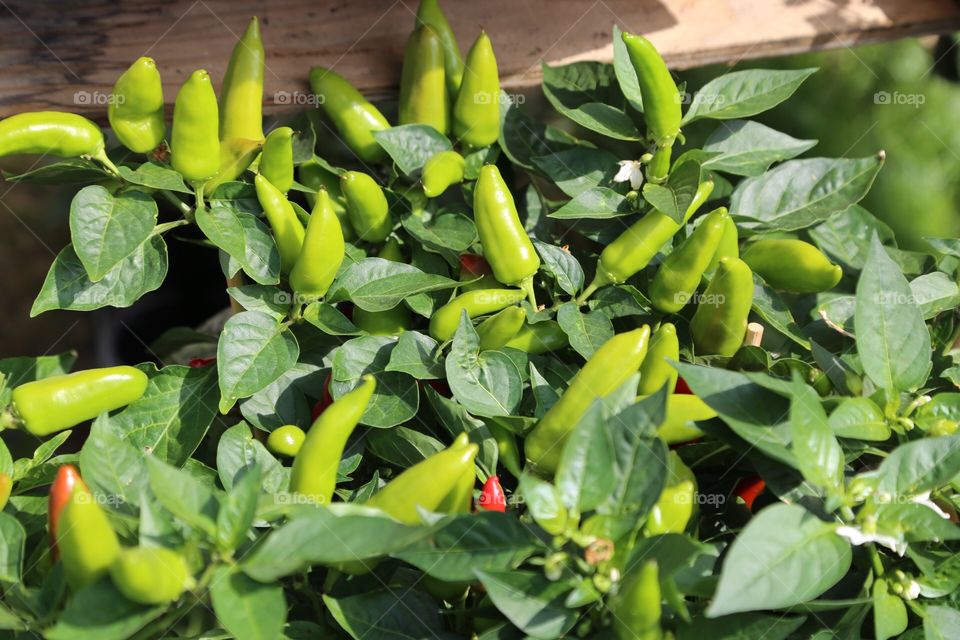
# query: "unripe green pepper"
540, 337
276, 159
314, 472
60, 402
321, 253
50, 133
792, 265
729, 246
241, 95
286, 440
720, 322
194, 145
509, 453
609, 367
136, 107
423, 90
314, 175
151, 575
236, 154
656, 370
476, 112
442, 170
680, 273
477, 303
391, 322
87, 542
506, 245
674, 507
429, 13
428, 483
497, 330
636, 607
684, 411
354, 117
636, 247
288, 232
367, 206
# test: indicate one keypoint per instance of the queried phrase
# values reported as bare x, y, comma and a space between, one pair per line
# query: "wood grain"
66, 55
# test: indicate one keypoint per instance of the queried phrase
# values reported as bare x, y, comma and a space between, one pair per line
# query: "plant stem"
101, 157
177, 202
527, 285
589, 291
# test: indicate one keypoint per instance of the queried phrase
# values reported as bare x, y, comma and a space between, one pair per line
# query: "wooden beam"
60, 55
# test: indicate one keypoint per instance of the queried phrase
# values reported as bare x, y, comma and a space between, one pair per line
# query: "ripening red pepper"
749, 488
325, 401
492, 497
196, 363
63, 483
682, 388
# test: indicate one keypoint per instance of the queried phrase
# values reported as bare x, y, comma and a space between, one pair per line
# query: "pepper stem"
589, 291
527, 285
659, 166
7, 420
101, 157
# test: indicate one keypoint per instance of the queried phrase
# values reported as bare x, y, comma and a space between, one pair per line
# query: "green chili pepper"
151, 575
674, 507
241, 95
136, 107
497, 330
540, 337
441, 171
720, 322
276, 160
460, 498
367, 206
353, 116
729, 246
236, 154
429, 13
87, 542
321, 253
60, 402
314, 175
428, 483
477, 303
792, 265
636, 606
314, 472
286, 440
680, 273
65, 135
609, 367
684, 411
288, 232
506, 245
423, 91
476, 112
656, 371
636, 247
194, 145
661, 101
509, 453
391, 322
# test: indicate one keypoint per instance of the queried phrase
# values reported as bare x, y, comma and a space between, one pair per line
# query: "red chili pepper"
67, 477
440, 386
475, 265
682, 388
196, 363
326, 400
492, 497
749, 488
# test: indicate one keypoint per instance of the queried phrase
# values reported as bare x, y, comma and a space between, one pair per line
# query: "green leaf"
486, 383
186, 497
584, 477
784, 557
411, 145
771, 308
740, 94
101, 612
596, 203
892, 339
374, 284
587, 331
941, 623
268, 299
112, 465
12, 540
801, 193
248, 610
237, 512
155, 176
63, 171
105, 228
397, 396
530, 601
238, 452
387, 614
284, 401
626, 74
418, 355
846, 236
67, 285
330, 320
748, 148
402, 447
523, 138
448, 234
253, 351
562, 266
586, 92
818, 453
859, 418
919, 466
576, 170
935, 293
244, 237
675, 196
740, 626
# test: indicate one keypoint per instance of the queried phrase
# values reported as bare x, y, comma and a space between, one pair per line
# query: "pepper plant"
649, 375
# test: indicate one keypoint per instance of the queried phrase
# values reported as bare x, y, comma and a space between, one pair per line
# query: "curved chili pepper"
288, 232
508, 453
315, 176
367, 206
60, 402
353, 116
683, 413
391, 322
286, 440
720, 321
729, 246
446, 319
423, 90
53, 133
63, 484
676, 503
636, 606
314, 472
429, 13
656, 370
609, 367
276, 159
476, 112
87, 543
492, 497
792, 265
321, 253
680, 273
749, 488
540, 337
194, 145
497, 330
441, 171
241, 95
136, 107
151, 575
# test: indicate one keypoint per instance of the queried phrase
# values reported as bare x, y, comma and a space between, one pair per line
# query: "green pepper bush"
810, 485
